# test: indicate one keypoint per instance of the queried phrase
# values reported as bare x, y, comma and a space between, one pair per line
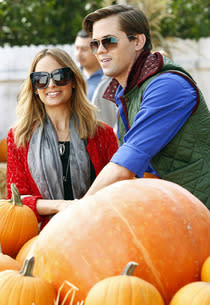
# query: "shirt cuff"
131, 158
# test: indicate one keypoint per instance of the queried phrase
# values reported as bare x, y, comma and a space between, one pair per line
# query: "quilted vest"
185, 160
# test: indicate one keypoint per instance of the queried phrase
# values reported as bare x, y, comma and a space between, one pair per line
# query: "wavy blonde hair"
31, 111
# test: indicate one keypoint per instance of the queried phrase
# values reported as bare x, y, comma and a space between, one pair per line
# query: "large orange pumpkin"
22, 288
158, 224
3, 150
197, 293
124, 289
18, 223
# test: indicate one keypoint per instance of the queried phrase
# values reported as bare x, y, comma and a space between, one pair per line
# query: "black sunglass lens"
42, 81
39, 80
109, 41
94, 45
62, 76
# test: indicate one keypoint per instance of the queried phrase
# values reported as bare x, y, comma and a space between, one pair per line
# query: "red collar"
146, 65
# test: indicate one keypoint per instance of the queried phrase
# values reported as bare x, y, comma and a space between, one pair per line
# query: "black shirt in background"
68, 193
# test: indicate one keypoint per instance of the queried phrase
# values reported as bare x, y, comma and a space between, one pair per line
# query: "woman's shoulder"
105, 134
103, 127
10, 135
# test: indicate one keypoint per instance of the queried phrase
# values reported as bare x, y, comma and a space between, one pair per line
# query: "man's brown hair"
131, 20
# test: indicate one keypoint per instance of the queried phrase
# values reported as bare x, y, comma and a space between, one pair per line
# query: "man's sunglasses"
107, 42
61, 77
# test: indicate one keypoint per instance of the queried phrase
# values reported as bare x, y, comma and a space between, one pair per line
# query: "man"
95, 79
164, 122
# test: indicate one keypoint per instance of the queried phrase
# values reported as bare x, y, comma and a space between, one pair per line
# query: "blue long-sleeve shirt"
92, 82
167, 103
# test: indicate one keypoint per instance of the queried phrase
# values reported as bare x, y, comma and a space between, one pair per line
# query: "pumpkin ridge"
15, 283
4, 220
21, 288
143, 251
6, 284
198, 295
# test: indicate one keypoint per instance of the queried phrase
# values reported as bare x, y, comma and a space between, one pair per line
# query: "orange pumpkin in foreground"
18, 223
124, 289
22, 288
197, 293
156, 223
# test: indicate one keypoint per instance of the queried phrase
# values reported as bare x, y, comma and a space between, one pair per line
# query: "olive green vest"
185, 160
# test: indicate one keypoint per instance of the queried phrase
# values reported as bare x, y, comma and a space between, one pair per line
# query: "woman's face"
53, 96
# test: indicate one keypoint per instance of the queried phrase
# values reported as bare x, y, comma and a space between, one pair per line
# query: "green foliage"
27, 22
188, 19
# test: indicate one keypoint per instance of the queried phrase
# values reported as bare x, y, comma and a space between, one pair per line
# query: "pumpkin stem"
16, 200
28, 267
129, 268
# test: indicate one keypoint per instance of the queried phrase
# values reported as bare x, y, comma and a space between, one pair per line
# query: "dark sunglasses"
61, 77
107, 42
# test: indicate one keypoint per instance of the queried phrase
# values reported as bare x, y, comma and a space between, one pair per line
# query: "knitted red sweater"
100, 149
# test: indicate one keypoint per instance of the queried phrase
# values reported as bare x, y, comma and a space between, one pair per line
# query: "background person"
164, 122
57, 147
89, 65
95, 80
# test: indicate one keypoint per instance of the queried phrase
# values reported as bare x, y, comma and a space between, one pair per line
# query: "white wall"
195, 58
15, 61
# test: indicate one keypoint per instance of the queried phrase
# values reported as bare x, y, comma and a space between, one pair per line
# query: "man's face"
117, 60
83, 53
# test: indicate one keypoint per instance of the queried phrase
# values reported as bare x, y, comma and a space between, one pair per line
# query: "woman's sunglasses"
107, 42
61, 77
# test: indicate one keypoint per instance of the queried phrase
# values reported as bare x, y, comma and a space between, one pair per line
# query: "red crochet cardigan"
100, 149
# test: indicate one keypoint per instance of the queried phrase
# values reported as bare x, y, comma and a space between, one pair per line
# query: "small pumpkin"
18, 223
124, 289
196, 293
3, 150
7, 262
26, 250
205, 270
22, 288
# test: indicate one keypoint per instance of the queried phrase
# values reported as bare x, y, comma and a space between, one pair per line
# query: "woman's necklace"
65, 158
61, 146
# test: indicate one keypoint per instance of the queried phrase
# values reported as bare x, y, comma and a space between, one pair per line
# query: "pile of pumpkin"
155, 228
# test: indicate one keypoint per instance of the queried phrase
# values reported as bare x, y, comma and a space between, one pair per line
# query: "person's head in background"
84, 55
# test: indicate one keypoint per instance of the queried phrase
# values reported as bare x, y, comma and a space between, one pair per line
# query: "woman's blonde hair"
31, 111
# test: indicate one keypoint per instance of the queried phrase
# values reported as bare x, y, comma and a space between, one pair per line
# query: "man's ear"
140, 41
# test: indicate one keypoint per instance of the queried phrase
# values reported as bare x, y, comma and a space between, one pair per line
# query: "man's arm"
50, 207
110, 173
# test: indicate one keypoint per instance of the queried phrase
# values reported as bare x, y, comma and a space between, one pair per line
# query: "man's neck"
89, 72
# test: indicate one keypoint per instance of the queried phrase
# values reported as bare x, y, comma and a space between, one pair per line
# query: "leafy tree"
26, 22
187, 19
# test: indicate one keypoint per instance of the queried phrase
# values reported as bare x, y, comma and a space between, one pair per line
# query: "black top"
68, 193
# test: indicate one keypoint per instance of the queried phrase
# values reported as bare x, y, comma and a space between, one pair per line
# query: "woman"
57, 147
